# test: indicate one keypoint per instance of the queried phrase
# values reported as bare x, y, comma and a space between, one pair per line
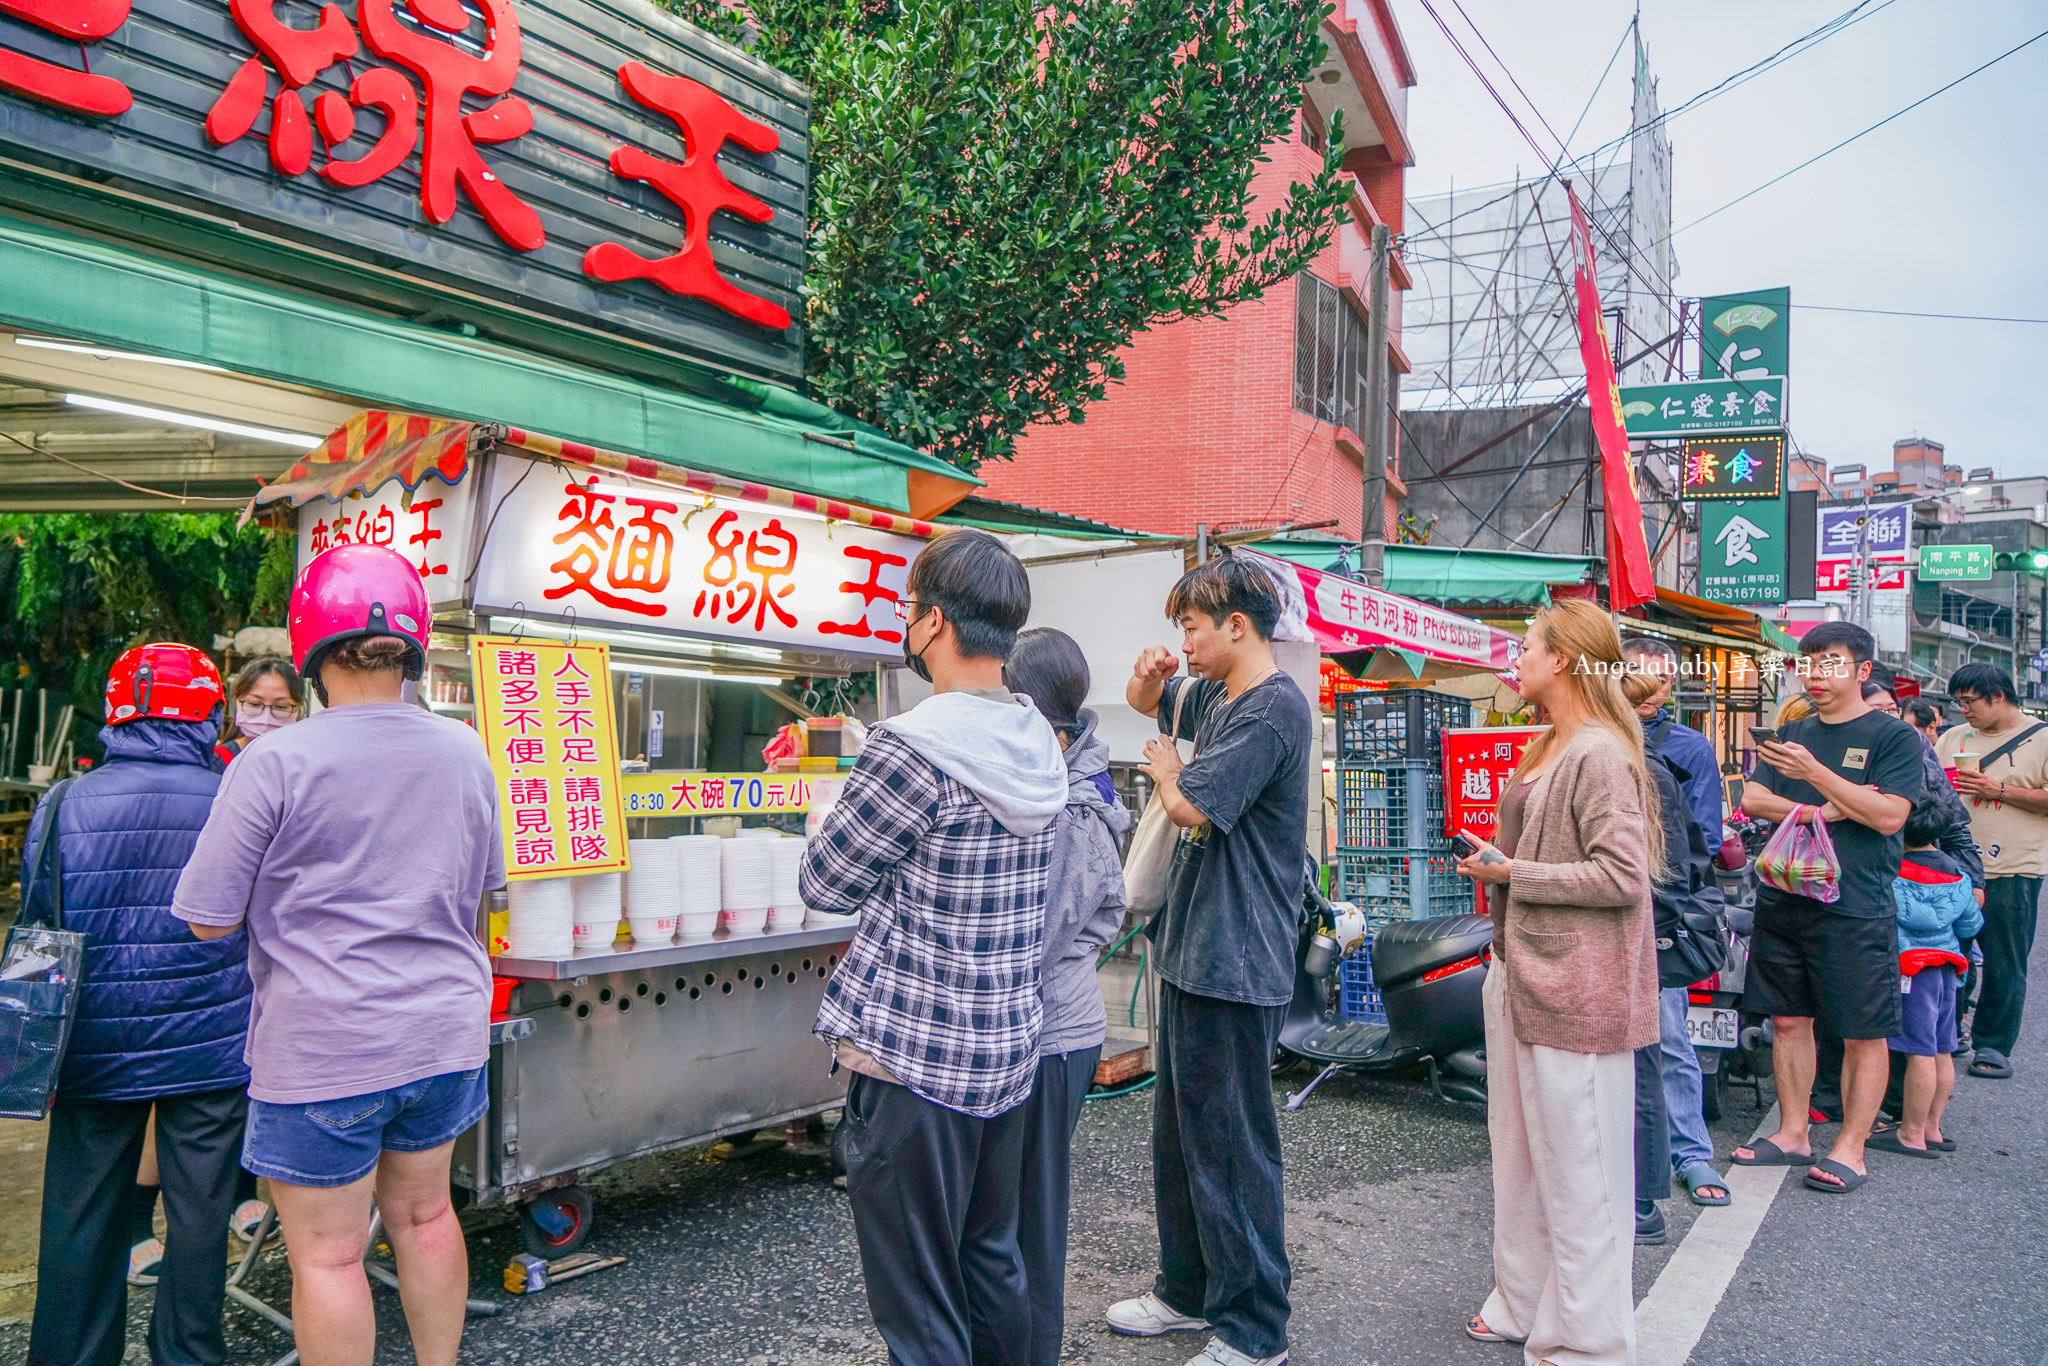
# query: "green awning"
1447, 575
1776, 637
74, 287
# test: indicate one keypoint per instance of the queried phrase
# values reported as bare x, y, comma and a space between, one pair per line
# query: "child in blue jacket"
1937, 911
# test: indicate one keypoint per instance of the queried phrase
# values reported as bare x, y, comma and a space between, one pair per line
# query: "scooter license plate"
1709, 1027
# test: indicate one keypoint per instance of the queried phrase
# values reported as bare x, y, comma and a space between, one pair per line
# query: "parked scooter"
1428, 974
1733, 1048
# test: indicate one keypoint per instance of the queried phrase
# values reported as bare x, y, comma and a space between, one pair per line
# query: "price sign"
717, 794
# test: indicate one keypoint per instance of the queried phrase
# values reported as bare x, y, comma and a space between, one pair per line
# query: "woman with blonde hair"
1571, 995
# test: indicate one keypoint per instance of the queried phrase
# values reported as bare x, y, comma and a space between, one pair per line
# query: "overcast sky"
1944, 210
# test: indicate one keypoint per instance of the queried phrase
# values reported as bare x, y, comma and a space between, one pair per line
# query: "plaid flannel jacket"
940, 984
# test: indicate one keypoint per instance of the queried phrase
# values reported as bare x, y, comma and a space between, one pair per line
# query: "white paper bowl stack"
653, 894
542, 919
697, 872
600, 901
744, 880
785, 899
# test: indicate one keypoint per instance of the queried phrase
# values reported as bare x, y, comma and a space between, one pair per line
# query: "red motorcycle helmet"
354, 591
175, 682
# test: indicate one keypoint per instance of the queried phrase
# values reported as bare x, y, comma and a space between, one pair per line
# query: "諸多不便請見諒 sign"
1742, 551
651, 558
718, 794
1704, 407
598, 164
544, 711
1950, 562
1749, 467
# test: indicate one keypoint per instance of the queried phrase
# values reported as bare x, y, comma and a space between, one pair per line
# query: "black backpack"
1691, 916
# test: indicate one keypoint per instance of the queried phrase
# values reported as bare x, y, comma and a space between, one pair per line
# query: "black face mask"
915, 662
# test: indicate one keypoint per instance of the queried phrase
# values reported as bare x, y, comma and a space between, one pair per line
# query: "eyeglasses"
283, 711
910, 609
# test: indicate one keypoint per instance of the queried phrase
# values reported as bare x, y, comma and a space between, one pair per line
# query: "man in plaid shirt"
940, 844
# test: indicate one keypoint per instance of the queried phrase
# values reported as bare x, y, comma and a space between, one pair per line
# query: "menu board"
544, 710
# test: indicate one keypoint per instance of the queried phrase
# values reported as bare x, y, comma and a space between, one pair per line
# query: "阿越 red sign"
1477, 766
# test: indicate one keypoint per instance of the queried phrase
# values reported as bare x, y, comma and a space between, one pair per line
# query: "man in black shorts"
1860, 771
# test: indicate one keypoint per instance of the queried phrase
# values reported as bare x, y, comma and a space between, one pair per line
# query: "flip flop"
1847, 1175
1990, 1063
1475, 1328
1764, 1153
1942, 1145
1888, 1141
1700, 1174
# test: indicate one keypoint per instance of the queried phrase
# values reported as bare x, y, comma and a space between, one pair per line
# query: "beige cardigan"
1576, 933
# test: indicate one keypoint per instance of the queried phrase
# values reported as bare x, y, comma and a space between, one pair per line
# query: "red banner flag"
1630, 579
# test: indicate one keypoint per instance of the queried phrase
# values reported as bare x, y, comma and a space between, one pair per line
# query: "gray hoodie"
1084, 900
1001, 751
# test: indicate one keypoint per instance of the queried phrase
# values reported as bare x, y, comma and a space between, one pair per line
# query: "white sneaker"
145, 1261
1221, 1353
1147, 1317
248, 1216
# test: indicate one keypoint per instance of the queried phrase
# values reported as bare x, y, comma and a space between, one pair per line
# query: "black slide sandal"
1888, 1141
1765, 1153
1847, 1175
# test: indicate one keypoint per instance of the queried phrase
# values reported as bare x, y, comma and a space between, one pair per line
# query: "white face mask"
253, 722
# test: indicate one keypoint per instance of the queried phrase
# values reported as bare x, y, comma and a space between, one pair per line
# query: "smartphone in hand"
1468, 845
1763, 735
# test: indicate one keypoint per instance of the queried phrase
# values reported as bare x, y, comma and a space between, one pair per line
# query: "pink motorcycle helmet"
353, 591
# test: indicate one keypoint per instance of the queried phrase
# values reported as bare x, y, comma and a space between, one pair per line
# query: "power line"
1907, 313
1854, 136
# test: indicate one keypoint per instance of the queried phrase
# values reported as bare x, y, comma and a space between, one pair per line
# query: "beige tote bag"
1148, 863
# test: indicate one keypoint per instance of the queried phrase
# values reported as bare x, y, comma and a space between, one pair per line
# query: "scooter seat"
1409, 948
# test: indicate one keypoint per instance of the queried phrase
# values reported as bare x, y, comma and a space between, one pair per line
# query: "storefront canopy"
1715, 623
1383, 636
72, 287
1447, 574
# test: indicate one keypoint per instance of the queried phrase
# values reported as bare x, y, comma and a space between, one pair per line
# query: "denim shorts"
336, 1142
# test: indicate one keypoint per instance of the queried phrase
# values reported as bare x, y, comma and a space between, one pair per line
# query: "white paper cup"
654, 932
697, 924
1966, 763
744, 921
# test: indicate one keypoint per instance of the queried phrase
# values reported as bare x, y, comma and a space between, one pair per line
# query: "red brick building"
1251, 419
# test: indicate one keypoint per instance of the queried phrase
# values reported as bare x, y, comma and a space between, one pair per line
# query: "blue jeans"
1690, 1145
337, 1142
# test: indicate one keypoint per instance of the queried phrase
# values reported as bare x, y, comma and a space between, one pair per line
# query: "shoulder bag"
1148, 863
40, 971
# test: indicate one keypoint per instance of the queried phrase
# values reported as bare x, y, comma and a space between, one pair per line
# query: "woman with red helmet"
356, 846
161, 1025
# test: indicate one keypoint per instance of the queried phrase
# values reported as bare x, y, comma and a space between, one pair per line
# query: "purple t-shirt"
357, 844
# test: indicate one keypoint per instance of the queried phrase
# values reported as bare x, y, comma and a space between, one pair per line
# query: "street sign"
2041, 659
1734, 467
1746, 336
1948, 562
1704, 407
1742, 551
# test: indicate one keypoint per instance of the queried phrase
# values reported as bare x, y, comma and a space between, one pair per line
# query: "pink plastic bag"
1800, 858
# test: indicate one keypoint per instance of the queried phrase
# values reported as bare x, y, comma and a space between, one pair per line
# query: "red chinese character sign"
655, 559
428, 525
544, 710
1477, 766
543, 154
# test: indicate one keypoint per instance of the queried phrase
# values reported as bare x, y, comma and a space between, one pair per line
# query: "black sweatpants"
1048, 1119
1216, 1176
935, 1204
1653, 1127
94, 1149
2011, 907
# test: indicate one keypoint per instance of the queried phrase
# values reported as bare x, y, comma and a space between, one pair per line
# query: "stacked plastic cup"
653, 894
785, 900
744, 885
697, 873
542, 918
600, 900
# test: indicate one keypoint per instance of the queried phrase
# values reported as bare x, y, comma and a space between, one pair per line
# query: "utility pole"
1372, 528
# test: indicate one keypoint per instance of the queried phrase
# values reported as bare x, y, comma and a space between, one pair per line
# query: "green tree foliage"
86, 586
1003, 194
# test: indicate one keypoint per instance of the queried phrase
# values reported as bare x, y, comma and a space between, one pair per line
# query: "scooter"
1428, 974
1734, 1048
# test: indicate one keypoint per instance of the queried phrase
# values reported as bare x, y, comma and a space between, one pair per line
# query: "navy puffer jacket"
161, 1013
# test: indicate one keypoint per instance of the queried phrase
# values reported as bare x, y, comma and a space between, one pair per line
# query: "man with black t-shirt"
1860, 771
1224, 944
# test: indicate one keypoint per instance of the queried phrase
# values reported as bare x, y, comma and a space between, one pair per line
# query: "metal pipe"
1372, 527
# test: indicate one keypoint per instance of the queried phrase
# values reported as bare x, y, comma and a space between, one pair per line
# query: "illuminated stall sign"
599, 162
600, 550
544, 710
428, 525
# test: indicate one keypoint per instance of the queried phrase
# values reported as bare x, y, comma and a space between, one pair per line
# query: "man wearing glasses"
2000, 762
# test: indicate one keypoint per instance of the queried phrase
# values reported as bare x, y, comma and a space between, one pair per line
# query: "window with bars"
1329, 354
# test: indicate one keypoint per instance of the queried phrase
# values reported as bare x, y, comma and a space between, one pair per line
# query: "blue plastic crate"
1390, 806
1400, 723
1403, 883
1357, 997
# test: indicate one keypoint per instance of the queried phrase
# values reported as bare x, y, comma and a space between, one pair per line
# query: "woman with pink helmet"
356, 845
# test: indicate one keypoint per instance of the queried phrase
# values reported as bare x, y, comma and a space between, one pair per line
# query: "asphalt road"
753, 1261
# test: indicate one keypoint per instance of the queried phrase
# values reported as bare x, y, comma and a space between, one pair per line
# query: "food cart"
705, 594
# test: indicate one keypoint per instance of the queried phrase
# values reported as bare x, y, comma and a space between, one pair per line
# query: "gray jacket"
1084, 900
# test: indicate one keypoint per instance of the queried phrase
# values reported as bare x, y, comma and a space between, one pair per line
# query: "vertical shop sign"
1742, 551
1746, 336
1477, 765
544, 710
